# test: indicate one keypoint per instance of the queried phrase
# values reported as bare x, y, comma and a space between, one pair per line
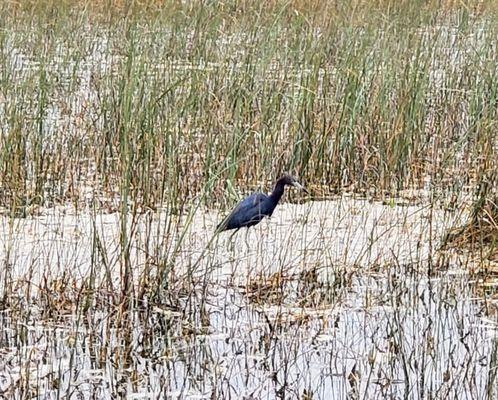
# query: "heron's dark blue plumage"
254, 208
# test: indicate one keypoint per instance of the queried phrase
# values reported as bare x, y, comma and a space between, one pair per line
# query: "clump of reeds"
481, 230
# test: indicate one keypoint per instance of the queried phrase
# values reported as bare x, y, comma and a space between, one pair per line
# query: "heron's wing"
242, 211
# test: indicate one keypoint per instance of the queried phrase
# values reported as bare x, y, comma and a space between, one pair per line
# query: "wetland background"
129, 128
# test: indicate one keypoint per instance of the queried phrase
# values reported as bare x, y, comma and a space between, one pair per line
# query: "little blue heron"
254, 208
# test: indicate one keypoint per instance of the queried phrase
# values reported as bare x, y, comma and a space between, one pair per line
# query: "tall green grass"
154, 103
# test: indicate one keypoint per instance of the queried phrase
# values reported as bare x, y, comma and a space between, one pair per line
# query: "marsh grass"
146, 109
370, 104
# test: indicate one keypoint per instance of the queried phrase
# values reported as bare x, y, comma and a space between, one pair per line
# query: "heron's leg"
246, 236
232, 235
230, 241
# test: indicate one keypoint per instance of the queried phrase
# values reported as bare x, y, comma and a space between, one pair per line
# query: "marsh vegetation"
128, 129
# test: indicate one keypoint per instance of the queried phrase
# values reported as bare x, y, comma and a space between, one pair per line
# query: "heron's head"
291, 181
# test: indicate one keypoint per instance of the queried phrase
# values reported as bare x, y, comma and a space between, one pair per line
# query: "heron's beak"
297, 185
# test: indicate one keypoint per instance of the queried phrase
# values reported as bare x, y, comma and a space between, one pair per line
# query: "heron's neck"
278, 191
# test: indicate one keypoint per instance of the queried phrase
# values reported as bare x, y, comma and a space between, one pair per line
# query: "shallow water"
326, 234
335, 299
